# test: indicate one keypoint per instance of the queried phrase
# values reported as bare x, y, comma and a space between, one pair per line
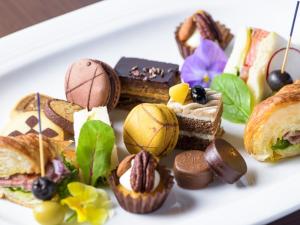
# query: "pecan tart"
140, 184
200, 25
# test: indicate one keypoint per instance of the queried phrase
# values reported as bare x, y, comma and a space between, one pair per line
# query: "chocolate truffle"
191, 170
91, 83
225, 160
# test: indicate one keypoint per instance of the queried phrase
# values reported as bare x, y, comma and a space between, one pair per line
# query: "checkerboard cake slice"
199, 124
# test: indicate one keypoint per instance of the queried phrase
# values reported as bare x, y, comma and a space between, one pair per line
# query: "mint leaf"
95, 144
237, 98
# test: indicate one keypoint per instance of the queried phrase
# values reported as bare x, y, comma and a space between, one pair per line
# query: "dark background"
18, 14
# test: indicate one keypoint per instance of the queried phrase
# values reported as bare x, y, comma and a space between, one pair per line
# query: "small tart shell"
142, 203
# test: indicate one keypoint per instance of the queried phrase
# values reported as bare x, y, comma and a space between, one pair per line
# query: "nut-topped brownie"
199, 123
145, 80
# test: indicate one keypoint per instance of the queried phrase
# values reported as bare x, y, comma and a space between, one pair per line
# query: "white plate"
36, 59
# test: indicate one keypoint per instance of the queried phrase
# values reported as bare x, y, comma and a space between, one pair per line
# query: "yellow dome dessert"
151, 127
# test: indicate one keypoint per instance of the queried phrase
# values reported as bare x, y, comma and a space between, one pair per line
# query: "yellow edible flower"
90, 204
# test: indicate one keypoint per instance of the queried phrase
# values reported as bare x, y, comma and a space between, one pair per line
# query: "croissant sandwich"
273, 130
20, 166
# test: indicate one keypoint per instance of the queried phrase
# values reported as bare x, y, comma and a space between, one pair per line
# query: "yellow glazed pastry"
151, 127
273, 130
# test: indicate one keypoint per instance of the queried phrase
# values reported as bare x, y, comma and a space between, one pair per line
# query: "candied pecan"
207, 26
142, 172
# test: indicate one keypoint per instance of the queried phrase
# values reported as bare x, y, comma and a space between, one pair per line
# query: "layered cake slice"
145, 80
199, 123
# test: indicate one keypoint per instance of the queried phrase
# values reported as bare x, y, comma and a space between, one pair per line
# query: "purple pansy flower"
207, 62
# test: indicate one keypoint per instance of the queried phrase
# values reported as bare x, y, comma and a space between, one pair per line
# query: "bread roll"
272, 122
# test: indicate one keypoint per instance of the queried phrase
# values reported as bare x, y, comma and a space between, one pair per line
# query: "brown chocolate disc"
191, 170
225, 160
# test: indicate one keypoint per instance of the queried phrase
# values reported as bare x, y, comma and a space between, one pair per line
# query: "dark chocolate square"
147, 71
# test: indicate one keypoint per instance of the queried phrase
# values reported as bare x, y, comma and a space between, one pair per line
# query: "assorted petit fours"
273, 130
140, 184
198, 111
151, 127
92, 83
200, 25
250, 57
169, 109
145, 80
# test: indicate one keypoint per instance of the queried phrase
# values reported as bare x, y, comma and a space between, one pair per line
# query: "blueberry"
43, 188
277, 80
199, 94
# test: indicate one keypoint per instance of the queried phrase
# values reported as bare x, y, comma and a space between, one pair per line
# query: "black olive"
277, 80
199, 94
43, 188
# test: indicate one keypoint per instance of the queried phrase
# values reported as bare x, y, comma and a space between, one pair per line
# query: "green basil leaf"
95, 144
237, 98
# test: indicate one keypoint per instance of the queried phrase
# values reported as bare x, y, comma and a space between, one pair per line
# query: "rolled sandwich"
20, 166
250, 57
273, 130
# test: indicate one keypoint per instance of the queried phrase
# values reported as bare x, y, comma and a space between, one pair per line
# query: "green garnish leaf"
281, 144
95, 144
62, 186
237, 98
18, 189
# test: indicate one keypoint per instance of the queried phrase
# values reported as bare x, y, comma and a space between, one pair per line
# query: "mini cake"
92, 83
140, 184
200, 25
199, 117
145, 80
151, 127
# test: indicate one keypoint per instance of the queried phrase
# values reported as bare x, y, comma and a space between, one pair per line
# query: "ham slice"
293, 137
257, 36
25, 181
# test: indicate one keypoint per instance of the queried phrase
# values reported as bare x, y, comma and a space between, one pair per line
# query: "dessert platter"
152, 112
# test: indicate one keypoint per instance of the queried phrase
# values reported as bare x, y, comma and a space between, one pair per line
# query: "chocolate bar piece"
146, 80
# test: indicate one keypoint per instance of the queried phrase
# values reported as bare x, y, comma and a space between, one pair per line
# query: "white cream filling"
194, 39
197, 135
125, 180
